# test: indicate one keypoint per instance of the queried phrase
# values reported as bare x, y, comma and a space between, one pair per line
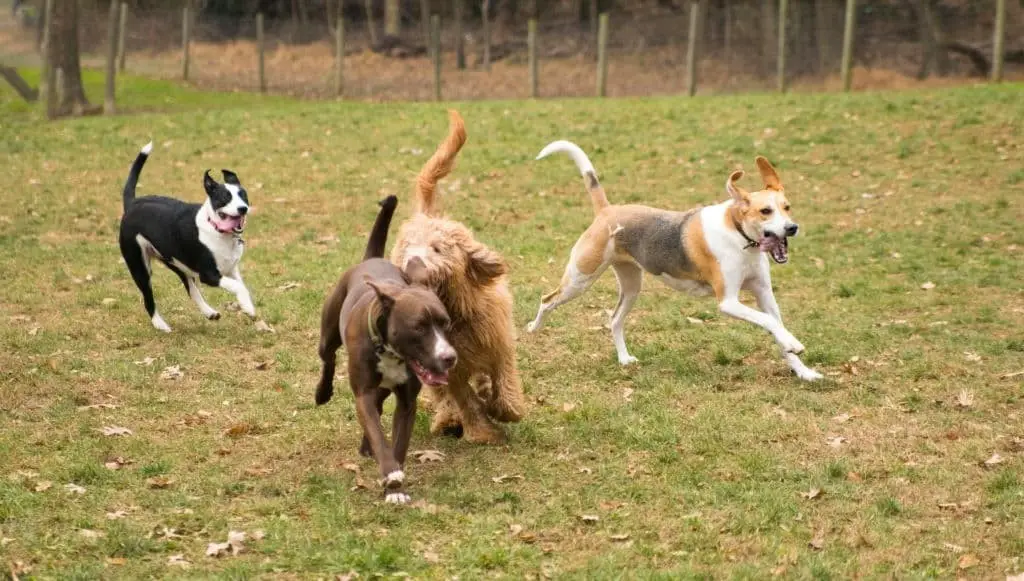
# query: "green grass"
699, 454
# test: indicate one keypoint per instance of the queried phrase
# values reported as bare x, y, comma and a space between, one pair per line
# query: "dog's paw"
808, 374
213, 315
533, 327
789, 344
628, 360
160, 324
396, 498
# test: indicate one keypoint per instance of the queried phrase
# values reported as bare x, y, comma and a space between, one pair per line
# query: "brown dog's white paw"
396, 498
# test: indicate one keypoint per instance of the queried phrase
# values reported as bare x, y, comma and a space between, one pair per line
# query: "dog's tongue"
777, 248
428, 377
227, 224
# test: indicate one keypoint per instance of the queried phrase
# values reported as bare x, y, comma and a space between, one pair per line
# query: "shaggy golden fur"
471, 280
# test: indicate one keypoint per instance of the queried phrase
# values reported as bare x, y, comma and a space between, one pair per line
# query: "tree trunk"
931, 41
392, 17
769, 34
62, 54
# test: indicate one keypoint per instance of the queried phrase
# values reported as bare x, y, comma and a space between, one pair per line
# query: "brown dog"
394, 332
470, 279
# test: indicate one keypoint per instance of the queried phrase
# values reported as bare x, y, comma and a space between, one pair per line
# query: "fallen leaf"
351, 467
928, 285
972, 356
568, 407
506, 477
263, 365
159, 482
145, 361
109, 301
288, 286
515, 529
172, 373
694, 321
967, 561
584, 470
965, 399
952, 548
234, 545
263, 327
97, 406
425, 456
91, 534
817, 542
178, 561
589, 518
115, 431
611, 505
117, 463
836, 441
238, 430
74, 489
1011, 375
842, 418
619, 537
627, 393
994, 460
43, 486
34, 331
812, 494
117, 561
431, 557
358, 485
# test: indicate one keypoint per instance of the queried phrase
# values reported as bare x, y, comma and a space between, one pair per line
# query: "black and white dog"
196, 241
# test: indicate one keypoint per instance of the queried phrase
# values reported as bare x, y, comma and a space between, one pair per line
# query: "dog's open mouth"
428, 377
776, 247
227, 223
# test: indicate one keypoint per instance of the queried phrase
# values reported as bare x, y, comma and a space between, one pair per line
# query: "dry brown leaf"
817, 542
73, 488
262, 327
172, 373
97, 406
589, 518
358, 485
258, 471
117, 463
351, 466
91, 534
1011, 375
431, 557
994, 460
238, 430
694, 321
972, 356
115, 431
952, 548
584, 470
506, 477
842, 418
928, 285
234, 545
116, 515
178, 561
627, 393
515, 529
568, 407
43, 486
145, 361
263, 365
108, 301
117, 561
159, 482
836, 441
967, 561
619, 537
288, 286
425, 456
812, 493
964, 399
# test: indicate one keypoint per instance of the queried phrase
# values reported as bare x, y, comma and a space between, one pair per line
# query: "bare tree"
62, 55
392, 17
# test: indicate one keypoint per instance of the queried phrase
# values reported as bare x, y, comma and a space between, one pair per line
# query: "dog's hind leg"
507, 403
630, 278
193, 291
138, 263
586, 264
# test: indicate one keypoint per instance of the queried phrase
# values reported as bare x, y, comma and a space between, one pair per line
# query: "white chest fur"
226, 249
392, 370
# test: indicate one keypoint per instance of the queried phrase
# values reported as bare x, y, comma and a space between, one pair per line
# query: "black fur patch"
658, 244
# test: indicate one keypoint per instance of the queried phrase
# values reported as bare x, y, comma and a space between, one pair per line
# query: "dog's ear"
485, 265
735, 190
768, 174
385, 292
230, 177
209, 184
416, 272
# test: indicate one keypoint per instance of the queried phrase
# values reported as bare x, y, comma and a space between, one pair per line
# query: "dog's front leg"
762, 290
404, 418
391, 472
234, 285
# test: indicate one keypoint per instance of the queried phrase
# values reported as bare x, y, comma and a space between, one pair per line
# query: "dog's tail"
379, 234
439, 165
133, 174
597, 196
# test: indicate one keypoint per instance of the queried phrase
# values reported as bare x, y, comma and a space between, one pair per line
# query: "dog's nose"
448, 359
791, 229
243, 210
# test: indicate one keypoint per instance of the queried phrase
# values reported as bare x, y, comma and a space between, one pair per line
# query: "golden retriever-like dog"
471, 280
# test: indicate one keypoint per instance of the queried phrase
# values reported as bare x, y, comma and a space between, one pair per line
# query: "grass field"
708, 460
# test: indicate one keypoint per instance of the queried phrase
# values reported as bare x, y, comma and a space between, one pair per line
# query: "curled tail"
133, 174
379, 234
597, 196
439, 165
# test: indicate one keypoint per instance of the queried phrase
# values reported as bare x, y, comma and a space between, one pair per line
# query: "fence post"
602, 55
998, 42
184, 42
435, 52
783, 4
691, 48
460, 44
122, 38
846, 72
485, 9
531, 43
47, 80
425, 21
594, 25
370, 23
261, 47
112, 27
339, 56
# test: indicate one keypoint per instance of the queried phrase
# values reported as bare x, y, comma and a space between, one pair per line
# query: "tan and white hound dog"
720, 249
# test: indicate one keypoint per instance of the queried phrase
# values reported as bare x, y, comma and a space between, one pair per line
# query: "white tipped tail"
147, 149
597, 195
573, 150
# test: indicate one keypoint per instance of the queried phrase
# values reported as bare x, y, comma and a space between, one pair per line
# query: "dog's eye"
766, 211
435, 248
786, 207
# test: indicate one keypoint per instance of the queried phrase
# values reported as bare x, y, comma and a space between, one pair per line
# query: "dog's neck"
734, 216
377, 327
